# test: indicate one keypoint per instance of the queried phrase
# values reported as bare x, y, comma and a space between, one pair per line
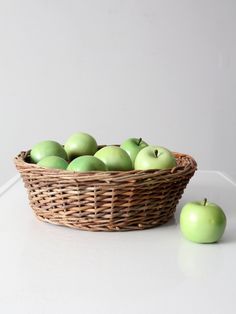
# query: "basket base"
107, 228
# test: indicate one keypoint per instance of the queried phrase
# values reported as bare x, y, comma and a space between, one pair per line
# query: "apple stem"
156, 152
204, 201
139, 141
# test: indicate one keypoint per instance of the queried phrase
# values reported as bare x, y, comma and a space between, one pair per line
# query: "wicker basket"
105, 201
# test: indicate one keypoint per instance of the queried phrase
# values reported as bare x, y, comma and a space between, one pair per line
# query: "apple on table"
202, 221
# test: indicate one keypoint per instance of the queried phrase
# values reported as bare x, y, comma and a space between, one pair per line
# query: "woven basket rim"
22, 164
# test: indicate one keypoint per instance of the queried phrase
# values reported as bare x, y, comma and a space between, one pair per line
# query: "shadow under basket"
105, 201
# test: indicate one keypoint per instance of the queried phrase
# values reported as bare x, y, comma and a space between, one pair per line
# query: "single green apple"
132, 146
45, 149
86, 163
202, 222
53, 162
80, 144
115, 158
154, 157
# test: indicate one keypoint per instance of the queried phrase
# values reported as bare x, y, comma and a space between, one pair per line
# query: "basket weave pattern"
105, 201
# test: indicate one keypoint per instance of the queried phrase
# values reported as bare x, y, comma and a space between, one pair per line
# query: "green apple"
132, 146
154, 157
79, 144
86, 163
53, 162
202, 222
45, 149
115, 158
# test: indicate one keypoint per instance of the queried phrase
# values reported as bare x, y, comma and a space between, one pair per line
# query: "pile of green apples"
81, 153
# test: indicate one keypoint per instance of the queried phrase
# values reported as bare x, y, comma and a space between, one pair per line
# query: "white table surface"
51, 269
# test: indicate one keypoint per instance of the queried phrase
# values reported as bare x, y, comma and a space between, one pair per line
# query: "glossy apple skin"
47, 148
132, 146
80, 144
86, 163
146, 158
53, 162
202, 224
115, 158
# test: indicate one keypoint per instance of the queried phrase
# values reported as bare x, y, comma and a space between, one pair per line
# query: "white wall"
163, 70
